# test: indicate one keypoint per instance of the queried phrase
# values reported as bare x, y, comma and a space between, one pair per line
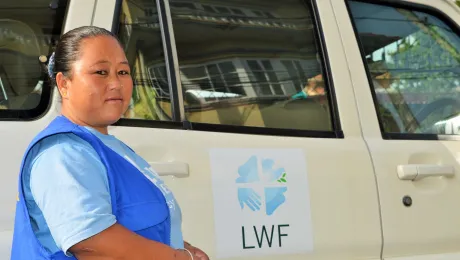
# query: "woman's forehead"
101, 48
101, 42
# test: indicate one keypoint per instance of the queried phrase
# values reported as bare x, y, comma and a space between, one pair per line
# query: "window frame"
428, 9
46, 97
34, 114
178, 119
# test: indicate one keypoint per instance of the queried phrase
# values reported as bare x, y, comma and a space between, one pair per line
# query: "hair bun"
51, 63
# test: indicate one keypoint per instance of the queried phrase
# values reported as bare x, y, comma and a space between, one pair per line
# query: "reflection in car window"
139, 32
28, 30
252, 63
414, 61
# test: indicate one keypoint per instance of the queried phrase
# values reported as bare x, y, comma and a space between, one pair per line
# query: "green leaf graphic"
282, 178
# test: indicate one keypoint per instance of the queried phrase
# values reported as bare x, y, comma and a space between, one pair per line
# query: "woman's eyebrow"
100, 62
106, 61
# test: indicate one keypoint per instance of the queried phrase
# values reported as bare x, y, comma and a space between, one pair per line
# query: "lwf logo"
262, 172
261, 202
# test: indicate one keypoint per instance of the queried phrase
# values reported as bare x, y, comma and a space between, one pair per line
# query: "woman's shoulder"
60, 146
62, 140
64, 156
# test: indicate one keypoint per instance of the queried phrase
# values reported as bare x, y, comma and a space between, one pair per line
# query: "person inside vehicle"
84, 194
314, 87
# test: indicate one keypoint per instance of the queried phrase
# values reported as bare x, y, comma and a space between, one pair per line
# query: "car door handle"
177, 169
413, 172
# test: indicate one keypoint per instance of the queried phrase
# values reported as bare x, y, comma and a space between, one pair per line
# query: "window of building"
28, 30
413, 59
183, 5
237, 11
208, 8
255, 71
218, 77
222, 10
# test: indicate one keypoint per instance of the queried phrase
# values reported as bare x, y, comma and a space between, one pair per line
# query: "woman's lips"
114, 100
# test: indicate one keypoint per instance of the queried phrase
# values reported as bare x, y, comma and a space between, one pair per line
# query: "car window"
413, 59
28, 29
140, 33
251, 64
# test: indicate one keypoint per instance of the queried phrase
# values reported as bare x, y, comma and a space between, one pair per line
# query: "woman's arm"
197, 253
70, 186
119, 243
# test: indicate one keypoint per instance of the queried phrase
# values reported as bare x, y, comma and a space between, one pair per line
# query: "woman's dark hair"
68, 49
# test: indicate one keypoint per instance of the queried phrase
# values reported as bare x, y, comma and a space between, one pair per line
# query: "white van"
294, 129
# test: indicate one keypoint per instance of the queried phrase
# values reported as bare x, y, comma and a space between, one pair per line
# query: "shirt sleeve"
70, 186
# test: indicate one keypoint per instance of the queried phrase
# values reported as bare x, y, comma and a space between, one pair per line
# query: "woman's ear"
62, 83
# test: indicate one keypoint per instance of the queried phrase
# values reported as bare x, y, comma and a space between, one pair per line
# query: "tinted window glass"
255, 63
28, 30
414, 60
140, 34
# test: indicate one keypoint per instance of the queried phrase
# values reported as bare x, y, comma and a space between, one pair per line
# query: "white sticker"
261, 202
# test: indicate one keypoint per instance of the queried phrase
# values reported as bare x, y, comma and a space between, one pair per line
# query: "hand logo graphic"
248, 171
249, 197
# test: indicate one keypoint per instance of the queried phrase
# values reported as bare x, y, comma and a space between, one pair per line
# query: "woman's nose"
115, 83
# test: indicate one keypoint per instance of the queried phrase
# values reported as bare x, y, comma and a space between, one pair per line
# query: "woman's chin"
112, 119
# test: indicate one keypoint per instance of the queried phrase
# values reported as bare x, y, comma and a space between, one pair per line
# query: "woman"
83, 194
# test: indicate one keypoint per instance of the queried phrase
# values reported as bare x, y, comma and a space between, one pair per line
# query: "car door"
260, 169
405, 70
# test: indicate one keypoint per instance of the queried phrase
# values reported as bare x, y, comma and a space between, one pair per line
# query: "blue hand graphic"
249, 197
274, 197
267, 169
248, 171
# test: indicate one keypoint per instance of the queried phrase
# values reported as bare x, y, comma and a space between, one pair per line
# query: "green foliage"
422, 64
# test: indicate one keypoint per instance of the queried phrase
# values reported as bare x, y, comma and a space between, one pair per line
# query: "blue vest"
137, 203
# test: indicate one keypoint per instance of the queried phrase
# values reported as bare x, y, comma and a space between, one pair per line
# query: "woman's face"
99, 89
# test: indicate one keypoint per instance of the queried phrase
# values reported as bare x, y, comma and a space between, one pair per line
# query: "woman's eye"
101, 72
123, 72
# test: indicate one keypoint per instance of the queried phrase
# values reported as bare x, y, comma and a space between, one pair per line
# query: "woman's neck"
76, 120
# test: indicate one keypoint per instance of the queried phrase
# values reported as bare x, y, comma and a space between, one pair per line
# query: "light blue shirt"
67, 192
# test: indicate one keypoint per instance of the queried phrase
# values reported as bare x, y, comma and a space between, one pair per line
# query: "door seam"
361, 129
94, 12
